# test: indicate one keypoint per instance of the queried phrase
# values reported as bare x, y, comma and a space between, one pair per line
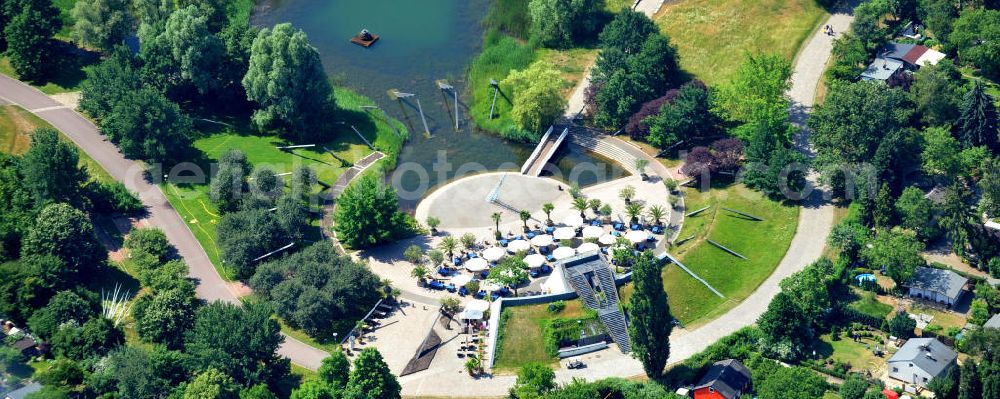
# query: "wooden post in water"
400, 95
496, 90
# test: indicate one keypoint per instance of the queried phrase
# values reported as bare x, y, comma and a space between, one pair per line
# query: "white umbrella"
563, 252
573, 220
494, 253
470, 314
519, 245
607, 239
543, 240
588, 247
636, 236
564, 233
477, 304
461, 279
593, 231
534, 261
489, 286
476, 265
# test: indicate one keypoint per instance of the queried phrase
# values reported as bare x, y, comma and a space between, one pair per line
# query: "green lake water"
421, 42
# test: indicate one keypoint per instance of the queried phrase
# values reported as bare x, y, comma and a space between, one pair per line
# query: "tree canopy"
101, 23
538, 100
651, 322
368, 214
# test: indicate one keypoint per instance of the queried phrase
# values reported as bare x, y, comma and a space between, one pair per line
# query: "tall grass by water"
501, 54
510, 17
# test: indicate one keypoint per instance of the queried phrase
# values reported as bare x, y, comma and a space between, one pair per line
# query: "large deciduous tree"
937, 93
102, 24
165, 317
146, 125
29, 36
897, 251
67, 234
977, 39
368, 214
229, 182
788, 330
182, 51
286, 78
686, 116
238, 341
757, 91
110, 82
651, 322
51, 168
371, 378
537, 97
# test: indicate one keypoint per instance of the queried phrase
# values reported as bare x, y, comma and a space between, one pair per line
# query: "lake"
421, 41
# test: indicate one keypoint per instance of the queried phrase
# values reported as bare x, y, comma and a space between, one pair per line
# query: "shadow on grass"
68, 66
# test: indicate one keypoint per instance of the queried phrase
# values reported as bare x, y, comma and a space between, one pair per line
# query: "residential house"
937, 285
23, 392
920, 360
726, 379
882, 69
913, 55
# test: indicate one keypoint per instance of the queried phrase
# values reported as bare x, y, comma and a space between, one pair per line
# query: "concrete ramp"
544, 151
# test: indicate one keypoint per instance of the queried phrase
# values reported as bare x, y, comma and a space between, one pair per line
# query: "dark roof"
929, 354
727, 377
945, 282
25, 343
897, 50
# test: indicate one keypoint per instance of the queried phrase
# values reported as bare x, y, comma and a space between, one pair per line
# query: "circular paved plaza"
463, 203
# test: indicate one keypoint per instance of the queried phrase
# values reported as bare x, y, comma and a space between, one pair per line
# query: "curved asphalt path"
211, 287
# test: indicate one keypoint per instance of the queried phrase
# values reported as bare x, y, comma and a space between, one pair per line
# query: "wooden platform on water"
364, 43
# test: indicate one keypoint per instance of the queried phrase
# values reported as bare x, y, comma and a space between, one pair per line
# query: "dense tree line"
560, 23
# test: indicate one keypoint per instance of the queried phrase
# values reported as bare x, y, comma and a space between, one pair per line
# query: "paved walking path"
161, 214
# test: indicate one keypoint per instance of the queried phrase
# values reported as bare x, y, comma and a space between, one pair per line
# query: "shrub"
113, 197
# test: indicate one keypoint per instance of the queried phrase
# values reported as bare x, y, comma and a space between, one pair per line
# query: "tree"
882, 214
258, 391
657, 213
758, 89
286, 78
975, 38
958, 216
989, 185
854, 387
67, 234
414, 254
368, 214
792, 383
165, 317
51, 168
335, 370
939, 16
63, 373
627, 193
626, 29
537, 95
525, 217
977, 124
182, 51
134, 372
212, 384
95, 338
625, 78
916, 213
534, 380
581, 204
371, 378
854, 119
102, 24
651, 321
548, 207
64, 307
552, 22
945, 386
969, 385
109, 82
29, 36
314, 389
229, 182
786, 325
898, 251
511, 272
901, 325
245, 236
433, 223
937, 93
448, 244
149, 240
436, 257
496, 221
146, 125
941, 153
633, 210
238, 341
687, 116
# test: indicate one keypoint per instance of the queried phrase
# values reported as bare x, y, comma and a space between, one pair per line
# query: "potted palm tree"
595, 205
473, 365
640, 166
433, 223
420, 273
657, 213
496, 221
627, 193
360, 328
606, 212
448, 244
581, 204
468, 241
633, 210
548, 208
524, 215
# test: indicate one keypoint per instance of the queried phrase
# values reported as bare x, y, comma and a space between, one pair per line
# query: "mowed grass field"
16, 126
712, 36
763, 242
522, 335
194, 203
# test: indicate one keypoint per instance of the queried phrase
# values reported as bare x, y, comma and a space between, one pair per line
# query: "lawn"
763, 242
858, 354
867, 303
712, 35
193, 203
522, 334
16, 125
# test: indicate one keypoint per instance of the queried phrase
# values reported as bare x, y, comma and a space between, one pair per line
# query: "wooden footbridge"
544, 151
